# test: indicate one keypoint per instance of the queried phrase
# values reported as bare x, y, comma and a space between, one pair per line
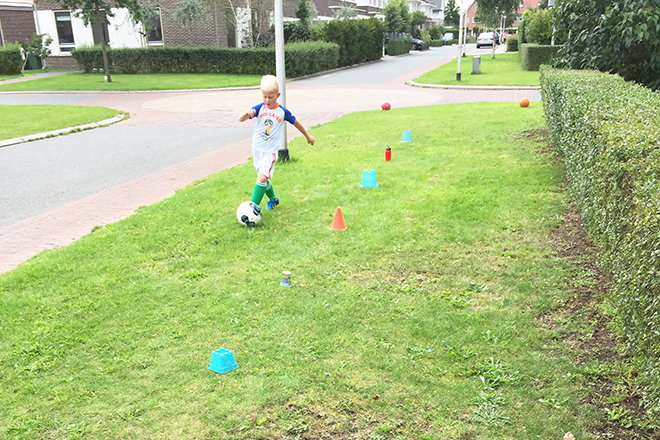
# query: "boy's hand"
250, 113
310, 140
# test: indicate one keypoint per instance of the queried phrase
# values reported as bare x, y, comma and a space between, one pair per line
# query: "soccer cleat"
272, 203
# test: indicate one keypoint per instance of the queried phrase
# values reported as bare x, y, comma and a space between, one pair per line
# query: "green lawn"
419, 321
161, 81
504, 70
22, 120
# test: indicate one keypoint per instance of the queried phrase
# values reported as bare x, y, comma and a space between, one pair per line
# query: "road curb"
454, 87
61, 131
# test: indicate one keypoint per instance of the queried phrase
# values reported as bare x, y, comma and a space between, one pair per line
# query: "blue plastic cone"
369, 179
407, 136
222, 361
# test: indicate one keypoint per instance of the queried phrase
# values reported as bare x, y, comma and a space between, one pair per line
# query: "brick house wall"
17, 24
210, 32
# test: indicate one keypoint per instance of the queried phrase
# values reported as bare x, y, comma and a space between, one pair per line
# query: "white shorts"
264, 163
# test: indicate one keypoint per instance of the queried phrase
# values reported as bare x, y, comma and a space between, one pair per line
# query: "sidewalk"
31, 77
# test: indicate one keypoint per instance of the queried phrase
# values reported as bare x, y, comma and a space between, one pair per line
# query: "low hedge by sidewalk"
301, 59
607, 133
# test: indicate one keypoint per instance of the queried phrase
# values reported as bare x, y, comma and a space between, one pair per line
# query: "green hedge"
301, 59
359, 40
512, 43
533, 55
11, 60
398, 47
608, 134
437, 43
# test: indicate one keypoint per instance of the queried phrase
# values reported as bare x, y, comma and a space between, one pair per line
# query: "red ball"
386, 106
524, 102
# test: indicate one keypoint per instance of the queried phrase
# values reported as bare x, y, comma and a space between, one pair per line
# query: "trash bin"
476, 64
34, 62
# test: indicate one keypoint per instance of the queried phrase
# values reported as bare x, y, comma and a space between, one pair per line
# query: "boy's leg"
259, 191
270, 192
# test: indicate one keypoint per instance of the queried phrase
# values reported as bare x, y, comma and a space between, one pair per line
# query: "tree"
611, 36
490, 12
539, 27
344, 13
397, 16
306, 12
96, 11
452, 14
418, 18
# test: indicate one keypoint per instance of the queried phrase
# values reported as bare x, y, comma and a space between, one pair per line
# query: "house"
471, 22
16, 21
68, 31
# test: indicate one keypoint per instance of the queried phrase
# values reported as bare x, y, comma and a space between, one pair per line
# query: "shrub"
539, 27
296, 31
436, 43
605, 129
533, 55
512, 43
398, 46
11, 59
359, 40
302, 59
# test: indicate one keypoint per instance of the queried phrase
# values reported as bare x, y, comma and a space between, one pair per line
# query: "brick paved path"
314, 104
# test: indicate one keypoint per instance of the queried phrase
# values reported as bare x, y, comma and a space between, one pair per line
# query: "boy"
266, 139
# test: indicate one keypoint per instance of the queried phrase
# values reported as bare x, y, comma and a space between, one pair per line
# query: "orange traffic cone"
338, 223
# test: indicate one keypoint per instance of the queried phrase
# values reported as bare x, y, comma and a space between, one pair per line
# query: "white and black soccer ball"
248, 214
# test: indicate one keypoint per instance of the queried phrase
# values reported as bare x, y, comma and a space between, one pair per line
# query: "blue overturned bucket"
369, 179
222, 361
407, 136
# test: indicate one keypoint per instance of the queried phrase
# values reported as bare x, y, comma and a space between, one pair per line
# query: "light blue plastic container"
222, 361
369, 179
407, 136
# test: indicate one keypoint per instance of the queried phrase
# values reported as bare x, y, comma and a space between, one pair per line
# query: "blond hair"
269, 83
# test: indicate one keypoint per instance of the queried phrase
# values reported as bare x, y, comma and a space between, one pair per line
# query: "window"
99, 27
154, 28
64, 31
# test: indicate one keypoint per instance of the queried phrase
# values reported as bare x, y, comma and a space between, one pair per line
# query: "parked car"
417, 44
487, 39
448, 37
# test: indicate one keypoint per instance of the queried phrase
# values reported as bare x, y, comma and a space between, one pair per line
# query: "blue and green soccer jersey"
270, 122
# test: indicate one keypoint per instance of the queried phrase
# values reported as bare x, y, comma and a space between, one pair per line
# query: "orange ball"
524, 102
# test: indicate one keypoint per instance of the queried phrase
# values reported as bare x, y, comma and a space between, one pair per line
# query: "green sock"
270, 192
258, 193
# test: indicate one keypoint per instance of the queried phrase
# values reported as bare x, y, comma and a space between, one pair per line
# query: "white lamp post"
460, 43
281, 74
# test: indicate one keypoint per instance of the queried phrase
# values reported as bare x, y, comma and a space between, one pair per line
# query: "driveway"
54, 191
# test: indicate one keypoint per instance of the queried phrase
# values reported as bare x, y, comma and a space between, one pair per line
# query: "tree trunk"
104, 48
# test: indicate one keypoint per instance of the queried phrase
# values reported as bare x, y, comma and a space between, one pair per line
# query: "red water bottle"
388, 153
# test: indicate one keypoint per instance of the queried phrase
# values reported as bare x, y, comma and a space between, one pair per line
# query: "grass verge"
23, 120
419, 321
504, 70
122, 82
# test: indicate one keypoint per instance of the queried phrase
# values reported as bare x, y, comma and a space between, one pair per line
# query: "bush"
533, 55
11, 59
398, 46
607, 133
436, 43
296, 31
539, 27
359, 40
301, 59
512, 43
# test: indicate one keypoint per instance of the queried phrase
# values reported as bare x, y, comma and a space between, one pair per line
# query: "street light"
283, 152
460, 43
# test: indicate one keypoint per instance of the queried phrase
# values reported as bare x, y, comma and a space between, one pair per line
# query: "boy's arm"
247, 115
299, 126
